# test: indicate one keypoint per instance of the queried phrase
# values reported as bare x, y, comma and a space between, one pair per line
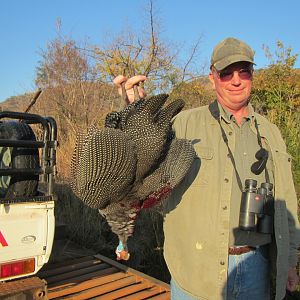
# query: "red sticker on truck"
3, 241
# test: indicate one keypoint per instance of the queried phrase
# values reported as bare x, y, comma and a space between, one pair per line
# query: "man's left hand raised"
128, 86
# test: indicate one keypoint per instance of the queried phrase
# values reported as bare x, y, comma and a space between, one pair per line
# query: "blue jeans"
177, 293
248, 278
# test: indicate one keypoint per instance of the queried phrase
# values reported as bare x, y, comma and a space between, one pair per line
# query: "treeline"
78, 92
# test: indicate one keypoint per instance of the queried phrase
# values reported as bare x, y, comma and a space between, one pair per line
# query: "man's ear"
212, 79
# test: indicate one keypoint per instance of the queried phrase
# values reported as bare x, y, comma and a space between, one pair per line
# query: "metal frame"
48, 144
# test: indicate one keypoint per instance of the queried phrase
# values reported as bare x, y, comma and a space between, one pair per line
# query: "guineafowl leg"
122, 250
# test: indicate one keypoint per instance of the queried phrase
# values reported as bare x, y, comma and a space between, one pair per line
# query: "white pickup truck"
28, 145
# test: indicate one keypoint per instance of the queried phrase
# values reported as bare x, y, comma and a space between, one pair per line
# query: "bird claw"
121, 251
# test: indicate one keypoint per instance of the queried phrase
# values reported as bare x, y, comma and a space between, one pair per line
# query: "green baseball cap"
230, 51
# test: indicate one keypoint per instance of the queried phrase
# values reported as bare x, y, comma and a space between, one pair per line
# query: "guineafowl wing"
149, 125
170, 172
80, 143
106, 167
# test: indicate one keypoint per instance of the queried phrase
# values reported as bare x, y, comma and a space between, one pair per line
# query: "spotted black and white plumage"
134, 162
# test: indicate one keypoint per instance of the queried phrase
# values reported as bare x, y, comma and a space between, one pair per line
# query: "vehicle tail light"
16, 268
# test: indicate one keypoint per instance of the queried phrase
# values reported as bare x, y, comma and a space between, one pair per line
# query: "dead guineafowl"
133, 163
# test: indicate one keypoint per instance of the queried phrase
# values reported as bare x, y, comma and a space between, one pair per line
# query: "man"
209, 253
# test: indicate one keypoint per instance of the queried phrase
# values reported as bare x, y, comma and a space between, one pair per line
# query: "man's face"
233, 85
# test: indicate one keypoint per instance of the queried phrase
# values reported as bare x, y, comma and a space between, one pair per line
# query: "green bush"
276, 94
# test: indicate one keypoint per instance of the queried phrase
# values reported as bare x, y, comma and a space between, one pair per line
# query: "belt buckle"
238, 250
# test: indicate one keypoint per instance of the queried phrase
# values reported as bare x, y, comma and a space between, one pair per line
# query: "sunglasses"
226, 75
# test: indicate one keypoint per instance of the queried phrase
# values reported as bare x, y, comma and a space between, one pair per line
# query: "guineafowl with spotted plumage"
133, 163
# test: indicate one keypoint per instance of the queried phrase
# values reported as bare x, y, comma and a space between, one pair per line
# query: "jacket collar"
219, 112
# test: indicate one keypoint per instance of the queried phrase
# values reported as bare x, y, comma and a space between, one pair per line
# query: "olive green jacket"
196, 224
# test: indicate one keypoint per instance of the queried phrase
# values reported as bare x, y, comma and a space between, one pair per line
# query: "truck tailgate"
26, 230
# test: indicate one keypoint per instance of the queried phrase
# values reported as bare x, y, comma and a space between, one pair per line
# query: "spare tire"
17, 185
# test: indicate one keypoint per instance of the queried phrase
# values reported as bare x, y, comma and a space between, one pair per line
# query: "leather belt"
240, 250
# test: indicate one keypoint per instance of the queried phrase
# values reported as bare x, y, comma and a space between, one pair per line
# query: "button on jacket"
197, 220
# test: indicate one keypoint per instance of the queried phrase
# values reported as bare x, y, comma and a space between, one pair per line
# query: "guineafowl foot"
122, 252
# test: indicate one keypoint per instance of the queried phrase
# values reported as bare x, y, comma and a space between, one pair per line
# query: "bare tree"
72, 93
146, 53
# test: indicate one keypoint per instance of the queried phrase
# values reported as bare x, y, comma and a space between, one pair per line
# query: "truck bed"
98, 277
77, 273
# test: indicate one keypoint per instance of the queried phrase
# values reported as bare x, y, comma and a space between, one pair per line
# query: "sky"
26, 26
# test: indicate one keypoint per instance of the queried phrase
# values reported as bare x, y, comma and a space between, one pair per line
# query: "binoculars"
257, 207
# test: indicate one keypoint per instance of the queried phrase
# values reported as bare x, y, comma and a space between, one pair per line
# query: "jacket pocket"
204, 152
284, 156
204, 160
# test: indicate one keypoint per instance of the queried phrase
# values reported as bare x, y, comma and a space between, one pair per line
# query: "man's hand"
293, 279
128, 85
